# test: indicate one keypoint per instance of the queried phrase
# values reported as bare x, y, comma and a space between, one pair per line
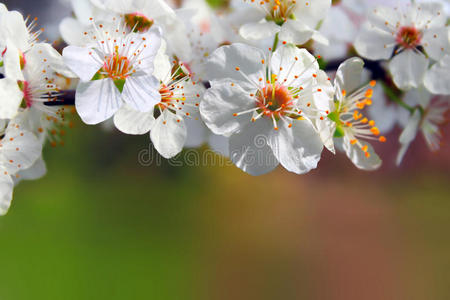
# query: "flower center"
274, 100
279, 10
137, 22
117, 66
409, 37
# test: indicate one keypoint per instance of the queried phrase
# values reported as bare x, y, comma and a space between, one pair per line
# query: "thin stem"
275, 43
393, 97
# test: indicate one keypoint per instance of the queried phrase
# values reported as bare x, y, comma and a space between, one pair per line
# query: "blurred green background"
101, 226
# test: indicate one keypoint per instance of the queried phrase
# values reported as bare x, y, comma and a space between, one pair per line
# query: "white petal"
408, 69
10, 98
45, 51
258, 30
20, 149
81, 61
219, 144
11, 62
384, 114
148, 54
250, 150
162, 66
13, 27
373, 43
384, 18
141, 92
223, 62
168, 134
158, 8
219, 104
408, 135
348, 76
431, 14
311, 12
436, 42
178, 42
295, 32
131, 121
97, 100
297, 148
36, 171
196, 133
71, 32
358, 157
288, 61
438, 77
6, 192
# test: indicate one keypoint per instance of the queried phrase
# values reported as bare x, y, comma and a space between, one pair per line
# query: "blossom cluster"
264, 83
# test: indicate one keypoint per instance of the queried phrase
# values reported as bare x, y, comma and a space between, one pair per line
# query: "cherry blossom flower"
296, 21
180, 98
266, 106
115, 68
140, 16
412, 35
429, 114
352, 127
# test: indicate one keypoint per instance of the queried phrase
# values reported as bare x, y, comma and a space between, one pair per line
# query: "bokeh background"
102, 226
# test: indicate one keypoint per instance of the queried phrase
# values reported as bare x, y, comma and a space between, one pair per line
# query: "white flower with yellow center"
267, 106
412, 36
19, 150
296, 21
180, 99
140, 16
114, 69
428, 116
353, 129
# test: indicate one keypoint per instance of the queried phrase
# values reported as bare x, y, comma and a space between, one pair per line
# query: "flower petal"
289, 62
348, 76
408, 69
223, 63
6, 192
408, 135
297, 148
97, 100
219, 104
81, 61
196, 133
20, 149
141, 92
258, 30
11, 62
311, 12
131, 121
436, 42
373, 43
357, 156
168, 134
295, 32
250, 150
45, 51
36, 171
438, 77
10, 98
